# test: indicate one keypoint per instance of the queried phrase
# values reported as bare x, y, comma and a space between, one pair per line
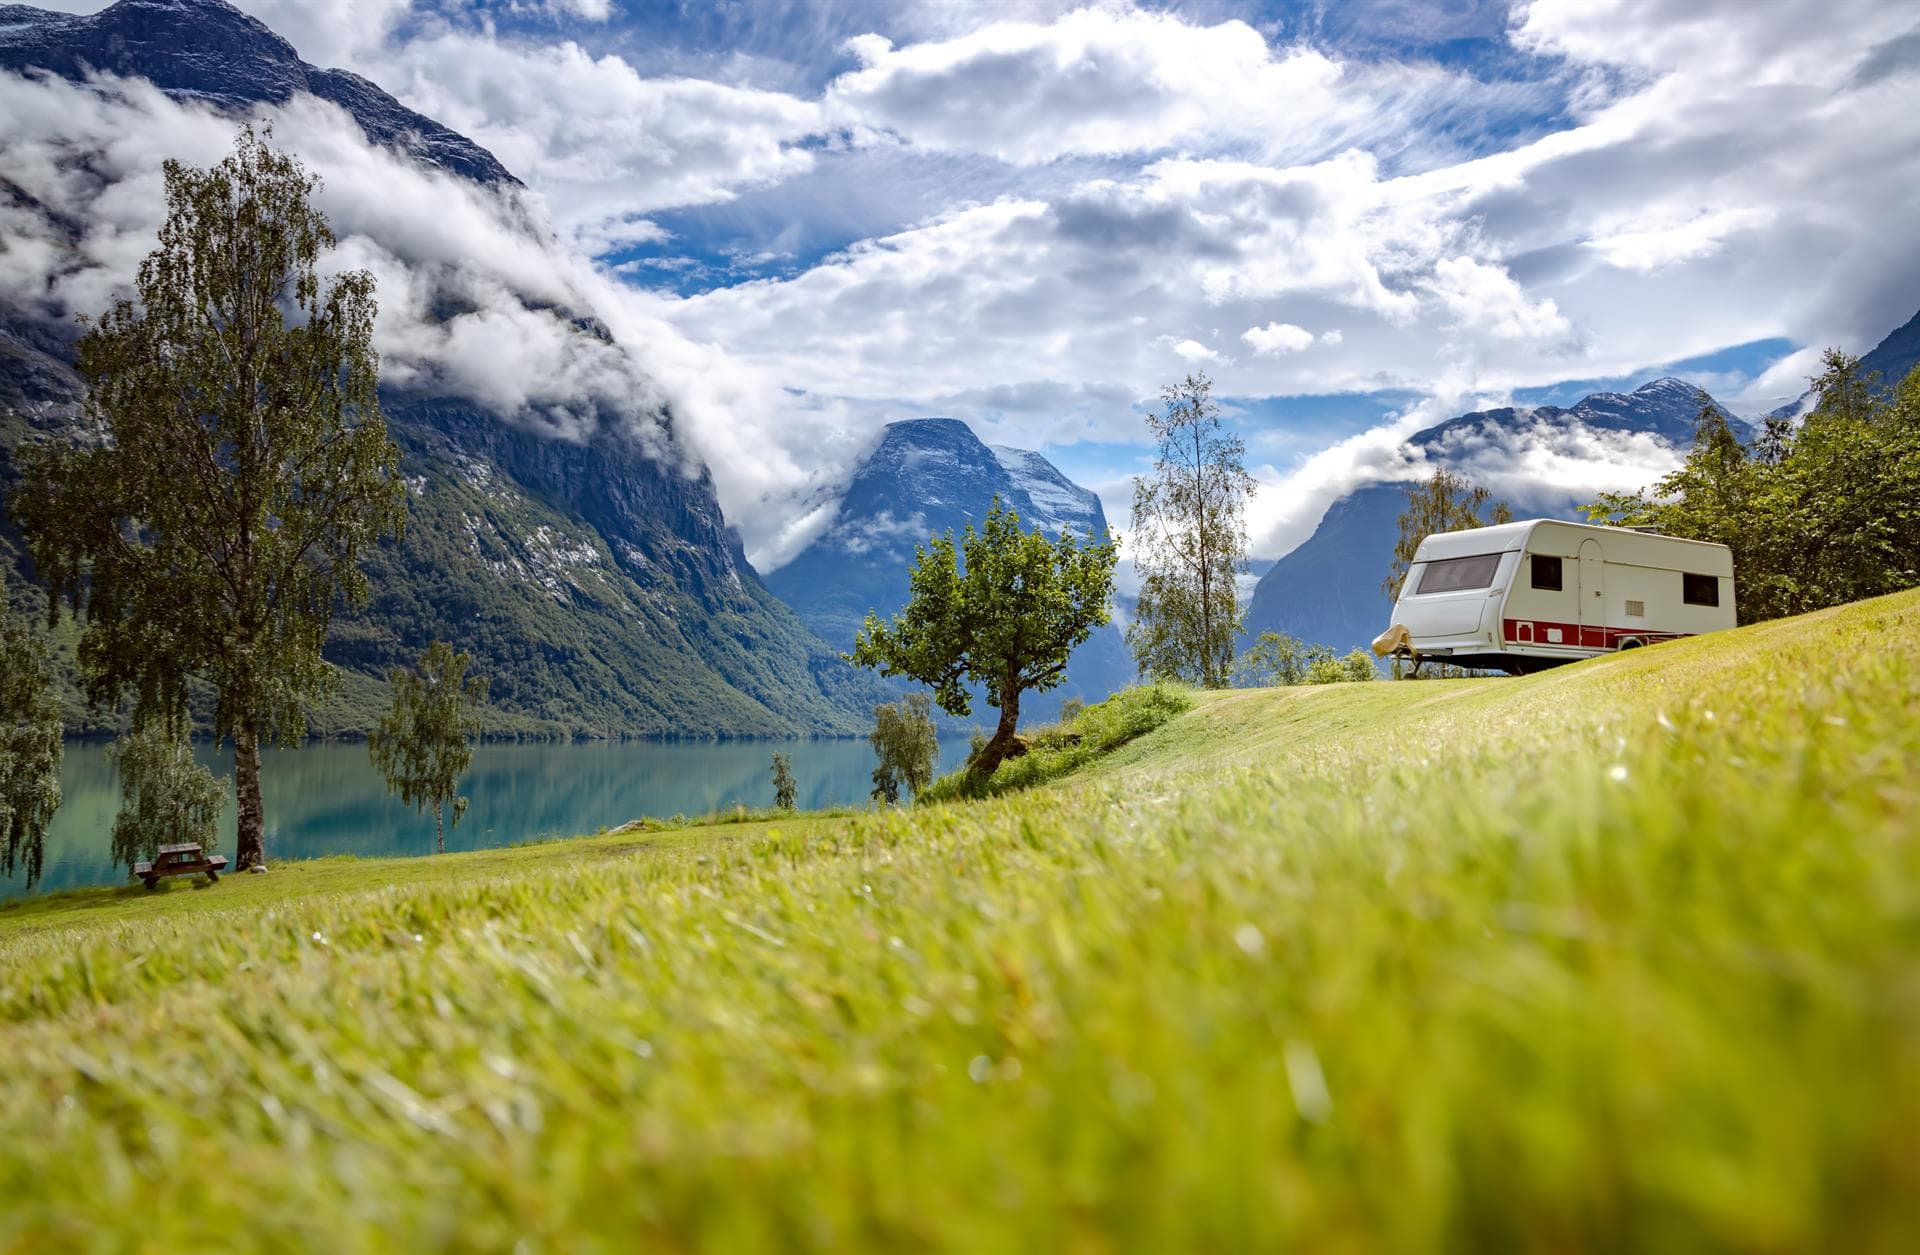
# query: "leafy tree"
1276, 659
245, 466
1445, 503
907, 745
1190, 540
1003, 612
1840, 513
784, 785
1279, 660
166, 797
30, 750
1816, 515
425, 740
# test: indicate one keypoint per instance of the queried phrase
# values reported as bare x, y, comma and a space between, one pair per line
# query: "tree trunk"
250, 845
994, 751
439, 828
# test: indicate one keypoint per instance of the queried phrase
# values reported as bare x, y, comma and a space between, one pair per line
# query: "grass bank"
1622, 956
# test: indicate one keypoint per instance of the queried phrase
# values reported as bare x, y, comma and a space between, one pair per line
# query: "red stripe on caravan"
1574, 636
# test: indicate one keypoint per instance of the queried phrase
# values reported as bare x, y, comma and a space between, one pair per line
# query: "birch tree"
30, 750
243, 468
424, 742
1190, 541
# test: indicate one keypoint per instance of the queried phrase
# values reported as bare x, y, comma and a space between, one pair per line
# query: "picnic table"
180, 860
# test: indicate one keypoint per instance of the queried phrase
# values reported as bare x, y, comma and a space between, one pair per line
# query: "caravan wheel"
1632, 642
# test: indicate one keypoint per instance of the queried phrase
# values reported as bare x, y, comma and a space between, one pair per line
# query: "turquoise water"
325, 798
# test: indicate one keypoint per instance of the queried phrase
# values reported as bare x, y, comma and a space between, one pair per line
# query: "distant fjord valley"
597, 584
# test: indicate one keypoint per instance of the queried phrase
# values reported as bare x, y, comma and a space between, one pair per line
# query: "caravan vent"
1636, 609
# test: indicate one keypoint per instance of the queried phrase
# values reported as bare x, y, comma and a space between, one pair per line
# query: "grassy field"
1622, 956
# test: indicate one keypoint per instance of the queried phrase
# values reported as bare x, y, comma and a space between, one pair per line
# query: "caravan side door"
1593, 595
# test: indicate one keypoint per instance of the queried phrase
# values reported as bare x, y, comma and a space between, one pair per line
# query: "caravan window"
1699, 590
1546, 573
1452, 575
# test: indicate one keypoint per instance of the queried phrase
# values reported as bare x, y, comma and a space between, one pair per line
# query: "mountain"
208, 50
1328, 589
1892, 359
1896, 355
925, 476
591, 574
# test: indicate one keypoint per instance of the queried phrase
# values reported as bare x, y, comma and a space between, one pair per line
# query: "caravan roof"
1556, 535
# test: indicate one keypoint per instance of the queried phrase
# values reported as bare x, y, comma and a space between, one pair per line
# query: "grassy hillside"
1623, 956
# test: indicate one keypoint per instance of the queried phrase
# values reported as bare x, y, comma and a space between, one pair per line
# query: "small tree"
784, 785
425, 740
30, 750
1445, 503
907, 745
1278, 659
1006, 618
1189, 541
166, 797
244, 471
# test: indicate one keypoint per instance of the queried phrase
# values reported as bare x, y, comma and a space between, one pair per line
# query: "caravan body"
1518, 597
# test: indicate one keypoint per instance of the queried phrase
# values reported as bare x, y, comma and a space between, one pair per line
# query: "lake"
326, 798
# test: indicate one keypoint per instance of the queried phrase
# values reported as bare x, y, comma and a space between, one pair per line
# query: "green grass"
1623, 956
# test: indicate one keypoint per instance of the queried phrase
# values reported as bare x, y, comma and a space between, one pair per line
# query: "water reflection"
327, 799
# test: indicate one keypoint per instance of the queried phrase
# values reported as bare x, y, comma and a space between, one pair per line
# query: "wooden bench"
180, 860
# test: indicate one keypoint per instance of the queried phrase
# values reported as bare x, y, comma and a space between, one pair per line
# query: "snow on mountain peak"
1058, 502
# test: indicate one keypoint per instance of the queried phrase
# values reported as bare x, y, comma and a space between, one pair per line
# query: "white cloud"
1118, 80
475, 300
1545, 463
1193, 351
334, 34
1651, 245
603, 143
1484, 297
1277, 338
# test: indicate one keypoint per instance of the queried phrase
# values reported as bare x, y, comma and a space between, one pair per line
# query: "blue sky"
805, 220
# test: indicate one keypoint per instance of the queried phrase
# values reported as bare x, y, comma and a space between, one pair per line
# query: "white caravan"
1520, 597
